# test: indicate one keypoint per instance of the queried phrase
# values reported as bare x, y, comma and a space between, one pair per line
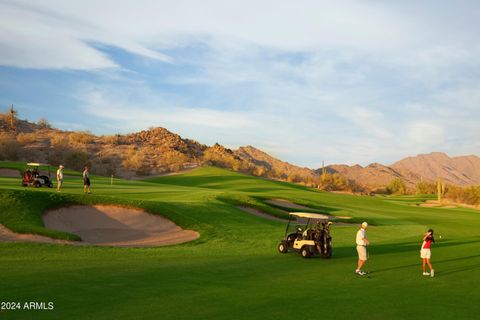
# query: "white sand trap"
9, 173
261, 214
286, 204
117, 226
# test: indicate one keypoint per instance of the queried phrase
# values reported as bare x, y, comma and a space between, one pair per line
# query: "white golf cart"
309, 236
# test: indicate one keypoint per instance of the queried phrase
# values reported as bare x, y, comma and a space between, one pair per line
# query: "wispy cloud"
350, 82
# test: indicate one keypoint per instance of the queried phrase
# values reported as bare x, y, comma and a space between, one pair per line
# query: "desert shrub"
44, 124
173, 160
82, 137
76, 160
113, 139
58, 140
424, 187
397, 186
468, 195
136, 161
335, 182
9, 147
27, 138
104, 166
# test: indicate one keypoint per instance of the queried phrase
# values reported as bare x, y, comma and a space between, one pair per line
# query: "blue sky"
306, 81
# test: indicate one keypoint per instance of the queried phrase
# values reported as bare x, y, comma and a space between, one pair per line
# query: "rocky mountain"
263, 159
157, 151
148, 152
462, 171
373, 176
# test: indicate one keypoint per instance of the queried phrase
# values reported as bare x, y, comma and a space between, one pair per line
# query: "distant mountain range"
462, 171
157, 151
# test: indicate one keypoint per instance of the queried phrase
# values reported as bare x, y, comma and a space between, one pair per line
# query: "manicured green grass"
234, 270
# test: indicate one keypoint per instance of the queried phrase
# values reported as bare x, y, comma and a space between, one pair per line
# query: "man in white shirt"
59, 178
362, 243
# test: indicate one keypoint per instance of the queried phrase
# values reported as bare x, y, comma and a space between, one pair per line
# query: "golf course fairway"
234, 271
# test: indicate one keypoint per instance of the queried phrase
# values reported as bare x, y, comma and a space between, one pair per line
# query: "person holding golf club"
362, 243
86, 180
426, 254
59, 178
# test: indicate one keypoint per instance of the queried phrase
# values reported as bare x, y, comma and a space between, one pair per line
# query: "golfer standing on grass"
86, 180
362, 243
59, 178
426, 254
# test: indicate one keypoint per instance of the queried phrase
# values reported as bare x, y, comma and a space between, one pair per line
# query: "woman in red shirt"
426, 254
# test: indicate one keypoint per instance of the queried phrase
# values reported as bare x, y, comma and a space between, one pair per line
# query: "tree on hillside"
424, 187
43, 123
397, 186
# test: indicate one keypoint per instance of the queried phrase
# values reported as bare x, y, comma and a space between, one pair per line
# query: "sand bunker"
261, 214
286, 204
438, 204
117, 226
9, 173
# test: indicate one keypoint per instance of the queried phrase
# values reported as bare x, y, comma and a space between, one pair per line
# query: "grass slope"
234, 271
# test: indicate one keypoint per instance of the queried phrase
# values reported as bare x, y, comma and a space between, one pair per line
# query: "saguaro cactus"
440, 189
324, 172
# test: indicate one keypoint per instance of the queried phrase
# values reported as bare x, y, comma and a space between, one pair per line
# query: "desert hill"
461, 171
157, 151
149, 152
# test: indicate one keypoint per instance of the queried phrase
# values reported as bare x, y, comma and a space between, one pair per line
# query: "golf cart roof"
309, 215
34, 164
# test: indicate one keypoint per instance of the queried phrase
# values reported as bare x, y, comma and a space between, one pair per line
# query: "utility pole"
13, 113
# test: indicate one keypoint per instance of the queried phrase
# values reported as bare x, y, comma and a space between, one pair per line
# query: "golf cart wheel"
282, 247
305, 252
37, 184
50, 185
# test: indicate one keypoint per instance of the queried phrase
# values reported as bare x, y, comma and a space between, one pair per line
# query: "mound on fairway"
117, 226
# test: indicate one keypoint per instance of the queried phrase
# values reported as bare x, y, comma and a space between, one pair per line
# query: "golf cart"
31, 176
309, 236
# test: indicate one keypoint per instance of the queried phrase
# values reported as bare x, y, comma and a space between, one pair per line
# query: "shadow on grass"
382, 249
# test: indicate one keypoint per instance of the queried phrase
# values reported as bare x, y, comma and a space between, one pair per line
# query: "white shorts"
362, 253
425, 253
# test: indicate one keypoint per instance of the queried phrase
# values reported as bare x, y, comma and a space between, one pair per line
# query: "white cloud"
56, 34
349, 81
156, 112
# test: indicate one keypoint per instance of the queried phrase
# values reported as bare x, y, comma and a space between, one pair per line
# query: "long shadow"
395, 248
439, 262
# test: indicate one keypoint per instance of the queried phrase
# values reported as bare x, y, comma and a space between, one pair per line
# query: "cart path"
11, 173
261, 214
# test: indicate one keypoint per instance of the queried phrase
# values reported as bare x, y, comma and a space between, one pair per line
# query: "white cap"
364, 225
61, 166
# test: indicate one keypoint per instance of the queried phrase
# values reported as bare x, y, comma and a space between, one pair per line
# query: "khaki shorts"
362, 253
425, 253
